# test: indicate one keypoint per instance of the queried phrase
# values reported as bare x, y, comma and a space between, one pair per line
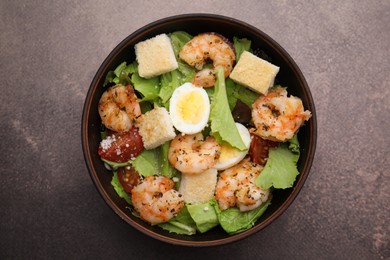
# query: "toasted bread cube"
155, 56
198, 188
155, 128
254, 73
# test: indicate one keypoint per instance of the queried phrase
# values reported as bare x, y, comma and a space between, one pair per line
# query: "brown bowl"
289, 75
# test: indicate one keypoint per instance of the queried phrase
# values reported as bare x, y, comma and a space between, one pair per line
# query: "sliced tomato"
128, 177
259, 149
121, 147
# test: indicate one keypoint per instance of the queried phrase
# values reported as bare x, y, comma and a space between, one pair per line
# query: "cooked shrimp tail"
278, 117
236, 187
204, 47
190, 154
119, 107
156, 200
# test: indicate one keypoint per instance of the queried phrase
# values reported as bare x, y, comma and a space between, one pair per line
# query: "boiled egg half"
230, 155
189, 108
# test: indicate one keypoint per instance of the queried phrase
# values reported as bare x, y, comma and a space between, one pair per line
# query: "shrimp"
278, 117
155, 199
119, 107
236, 187
191, 155
208, 46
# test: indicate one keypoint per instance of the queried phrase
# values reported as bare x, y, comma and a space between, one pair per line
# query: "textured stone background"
51, 50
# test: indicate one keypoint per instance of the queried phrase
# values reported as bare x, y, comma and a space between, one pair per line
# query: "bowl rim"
230, 238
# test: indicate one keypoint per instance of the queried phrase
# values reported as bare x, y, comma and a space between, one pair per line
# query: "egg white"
189, 108
230, 156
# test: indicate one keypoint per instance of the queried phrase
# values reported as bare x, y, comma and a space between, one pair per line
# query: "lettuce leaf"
146, 163
237, 92
204, 216
294, 145
231, 93
119, 189
178, 40
181, 224
245, 95
280, 170
184, 73
233, 221
222, 123
149, 88
154, 162
241, 45
116, 165
166, 169
121, 74
128, 74
187, 72
169, 82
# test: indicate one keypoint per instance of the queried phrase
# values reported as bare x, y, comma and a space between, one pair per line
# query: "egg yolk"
190, 107
227, 151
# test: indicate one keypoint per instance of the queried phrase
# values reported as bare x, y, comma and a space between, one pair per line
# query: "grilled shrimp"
119, 107
208, 46
278, 117
155, 199
236, 187
190, 154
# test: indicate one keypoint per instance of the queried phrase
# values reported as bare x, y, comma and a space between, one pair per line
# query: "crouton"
155, 56
155, 127
198, 188
254, 73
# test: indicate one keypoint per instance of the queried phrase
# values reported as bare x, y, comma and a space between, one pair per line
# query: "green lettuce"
237, 92
241, 45
230, 92
149, 88
222, 123
245, 95
178, 40
154, 162
119, 189
169, 82
181, 224
128, 74
233, 221
184, 73
121, 74
203, 215
146, 163
116, 165
280, 170
166, 169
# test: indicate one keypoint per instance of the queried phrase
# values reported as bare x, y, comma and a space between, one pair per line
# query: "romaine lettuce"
181, 224
116, 165
154, 162
178, 40
233, 221
241, 45
237, 92
166, 169
149, 88
119, 189
223, 127
280, 170
203, 215
184, 73
121, 74
146, 163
